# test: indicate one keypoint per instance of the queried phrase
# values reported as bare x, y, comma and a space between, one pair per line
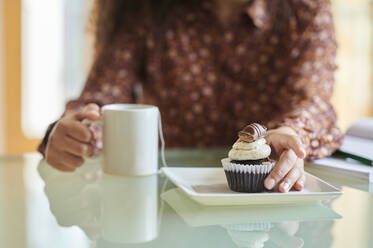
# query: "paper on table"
343, 167
359, 139
362, 129
359, 142
358, 146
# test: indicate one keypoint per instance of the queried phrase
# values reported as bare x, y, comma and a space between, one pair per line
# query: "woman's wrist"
283, 130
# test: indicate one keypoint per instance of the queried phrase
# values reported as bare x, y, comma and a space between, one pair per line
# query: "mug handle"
163, 143
97, 142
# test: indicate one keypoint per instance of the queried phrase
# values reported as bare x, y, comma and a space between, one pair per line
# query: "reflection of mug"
129, 209
130, 139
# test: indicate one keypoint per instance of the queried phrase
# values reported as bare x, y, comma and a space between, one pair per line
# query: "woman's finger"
71, 160
292, 177
294, 142
283, 166
55, 159
299, 185
60, 166
77, 148
75, 130
90, 111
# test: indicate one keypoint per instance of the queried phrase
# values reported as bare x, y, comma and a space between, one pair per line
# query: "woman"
212, 67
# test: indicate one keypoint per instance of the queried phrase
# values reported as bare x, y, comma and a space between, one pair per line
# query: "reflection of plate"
195, 214
208, 186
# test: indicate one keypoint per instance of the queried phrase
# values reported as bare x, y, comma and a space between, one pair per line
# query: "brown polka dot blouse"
209, 80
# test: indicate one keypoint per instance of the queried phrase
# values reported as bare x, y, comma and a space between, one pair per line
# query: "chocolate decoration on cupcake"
252, 132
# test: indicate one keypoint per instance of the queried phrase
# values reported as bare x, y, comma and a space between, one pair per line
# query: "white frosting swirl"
249, 151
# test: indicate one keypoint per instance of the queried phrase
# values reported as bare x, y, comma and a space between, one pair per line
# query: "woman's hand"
289, 152
70, 141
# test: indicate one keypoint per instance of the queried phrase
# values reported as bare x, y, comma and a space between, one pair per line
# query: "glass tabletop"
42, 207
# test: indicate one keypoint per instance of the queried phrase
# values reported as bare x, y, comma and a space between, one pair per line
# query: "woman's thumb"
90, 111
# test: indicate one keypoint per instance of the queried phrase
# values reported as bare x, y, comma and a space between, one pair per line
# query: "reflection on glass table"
251, 226
114, 210
127, 212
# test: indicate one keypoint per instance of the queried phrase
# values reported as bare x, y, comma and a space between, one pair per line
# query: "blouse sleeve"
113, 76
309, 85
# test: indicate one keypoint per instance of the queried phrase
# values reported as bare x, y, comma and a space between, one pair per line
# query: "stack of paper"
343, 167
359, 142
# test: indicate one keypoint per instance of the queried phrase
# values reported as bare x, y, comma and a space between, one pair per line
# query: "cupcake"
248, 162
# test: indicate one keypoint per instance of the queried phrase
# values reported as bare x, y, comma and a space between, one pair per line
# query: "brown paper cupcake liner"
246, 178
246, 182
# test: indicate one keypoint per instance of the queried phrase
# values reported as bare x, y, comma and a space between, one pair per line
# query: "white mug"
130, 139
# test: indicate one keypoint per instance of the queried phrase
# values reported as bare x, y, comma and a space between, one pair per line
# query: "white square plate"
209, 186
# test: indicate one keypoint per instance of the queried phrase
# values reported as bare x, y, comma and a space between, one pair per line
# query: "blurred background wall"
13, 135
353, 94
47, 52
1, 81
